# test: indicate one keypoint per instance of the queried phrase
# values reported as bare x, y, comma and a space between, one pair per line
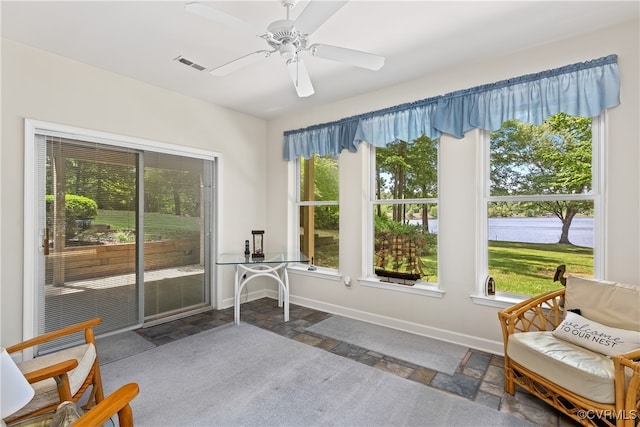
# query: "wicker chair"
545, 313
61, 376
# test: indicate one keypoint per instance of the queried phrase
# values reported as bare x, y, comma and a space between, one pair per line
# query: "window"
541, 201
319, 213
404, 211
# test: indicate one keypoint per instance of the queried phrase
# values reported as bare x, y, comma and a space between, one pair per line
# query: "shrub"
78, 211
327, 217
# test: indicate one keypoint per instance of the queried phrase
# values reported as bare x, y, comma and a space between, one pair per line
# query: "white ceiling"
140, 39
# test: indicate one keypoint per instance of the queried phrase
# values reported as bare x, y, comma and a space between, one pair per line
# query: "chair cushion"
612, 304
584, 372
46, 390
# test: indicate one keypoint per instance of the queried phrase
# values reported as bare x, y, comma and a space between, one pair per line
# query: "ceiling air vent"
191, 64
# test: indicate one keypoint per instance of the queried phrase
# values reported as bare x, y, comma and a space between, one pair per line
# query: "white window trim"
431, 289
501, 299
31, 233
419, 288
294, 229
325, 272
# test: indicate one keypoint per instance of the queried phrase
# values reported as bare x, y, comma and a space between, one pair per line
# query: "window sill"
324, 273
498, 300
426, 289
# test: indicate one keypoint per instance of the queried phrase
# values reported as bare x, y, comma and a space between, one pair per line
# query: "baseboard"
248, 296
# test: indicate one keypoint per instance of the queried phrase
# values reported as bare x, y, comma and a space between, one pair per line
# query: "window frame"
298, 203
370, 279
597, 195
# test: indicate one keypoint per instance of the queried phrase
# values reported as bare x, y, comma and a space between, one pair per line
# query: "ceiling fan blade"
300, 77
315, 14
348, 56
223, 18
239, 63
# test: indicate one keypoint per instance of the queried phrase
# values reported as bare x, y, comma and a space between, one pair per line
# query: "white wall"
455, 317
42, 86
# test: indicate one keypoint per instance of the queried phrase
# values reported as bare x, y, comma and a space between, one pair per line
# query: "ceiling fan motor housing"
283, 37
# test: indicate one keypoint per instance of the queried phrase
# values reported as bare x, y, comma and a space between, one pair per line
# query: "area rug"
430, 353
119, 346
246, 376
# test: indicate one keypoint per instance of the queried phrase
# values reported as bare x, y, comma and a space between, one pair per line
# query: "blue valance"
404, 124
584, 89
328, 138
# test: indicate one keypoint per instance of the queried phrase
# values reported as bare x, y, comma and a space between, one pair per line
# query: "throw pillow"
66, 414
596, 336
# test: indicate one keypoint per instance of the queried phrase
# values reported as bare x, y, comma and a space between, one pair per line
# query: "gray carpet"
246, 376
119, 346
430, 353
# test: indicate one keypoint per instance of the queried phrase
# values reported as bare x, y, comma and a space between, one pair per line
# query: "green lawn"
156, 226
528, 268
327, 255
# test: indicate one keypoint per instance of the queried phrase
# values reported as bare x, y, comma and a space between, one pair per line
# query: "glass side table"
273, 265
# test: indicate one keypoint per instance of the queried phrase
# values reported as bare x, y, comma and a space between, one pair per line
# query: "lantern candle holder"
258, 241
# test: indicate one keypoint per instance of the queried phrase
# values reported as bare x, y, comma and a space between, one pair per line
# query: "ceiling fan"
289, 38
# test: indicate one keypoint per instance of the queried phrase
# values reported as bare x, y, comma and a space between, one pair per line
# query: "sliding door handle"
45, 241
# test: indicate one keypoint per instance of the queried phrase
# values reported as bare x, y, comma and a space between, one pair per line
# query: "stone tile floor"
480, 376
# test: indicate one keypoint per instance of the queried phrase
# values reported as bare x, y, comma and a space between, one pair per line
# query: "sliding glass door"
126, 233
90, 236
175, 218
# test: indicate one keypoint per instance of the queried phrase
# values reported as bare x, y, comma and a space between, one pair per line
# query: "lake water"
534, 230
540, 230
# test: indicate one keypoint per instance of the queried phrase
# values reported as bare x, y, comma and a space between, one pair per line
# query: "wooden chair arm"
633, 356
629, 362
538, 313
627, 389
59, 373
116, 402
50, 336
51, 371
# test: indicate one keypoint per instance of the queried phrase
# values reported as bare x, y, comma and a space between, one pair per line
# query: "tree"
552, 158
392, 163
422, 181
327, 184
407, 171
111, 185
172, 192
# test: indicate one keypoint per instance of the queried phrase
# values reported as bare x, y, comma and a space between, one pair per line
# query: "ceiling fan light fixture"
287, 51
